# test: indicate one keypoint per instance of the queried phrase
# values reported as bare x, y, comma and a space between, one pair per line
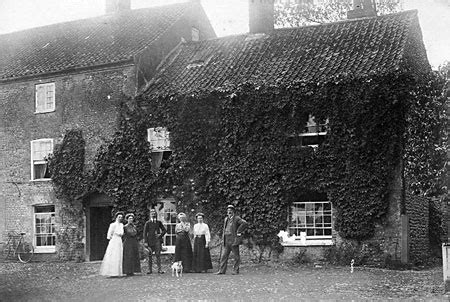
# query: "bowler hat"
230, 207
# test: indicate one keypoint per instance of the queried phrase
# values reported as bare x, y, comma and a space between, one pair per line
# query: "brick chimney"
361, 9
260, 16
117, 6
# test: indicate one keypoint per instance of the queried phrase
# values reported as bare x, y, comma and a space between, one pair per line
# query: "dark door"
100, 218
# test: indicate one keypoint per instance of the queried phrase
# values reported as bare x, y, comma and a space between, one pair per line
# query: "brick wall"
417, 209
89, 101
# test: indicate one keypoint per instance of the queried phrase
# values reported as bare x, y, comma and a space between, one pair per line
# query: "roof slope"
313, 53
95, 41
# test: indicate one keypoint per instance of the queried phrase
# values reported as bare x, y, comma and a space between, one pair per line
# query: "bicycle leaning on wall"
17, 246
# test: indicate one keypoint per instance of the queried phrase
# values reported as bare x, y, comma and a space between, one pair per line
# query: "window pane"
41, 171
45, 209
319, 232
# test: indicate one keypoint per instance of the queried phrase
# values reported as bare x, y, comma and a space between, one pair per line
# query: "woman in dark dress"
183, 247
202, 257
131, 260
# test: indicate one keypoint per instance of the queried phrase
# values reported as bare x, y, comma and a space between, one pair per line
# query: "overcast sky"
226, 16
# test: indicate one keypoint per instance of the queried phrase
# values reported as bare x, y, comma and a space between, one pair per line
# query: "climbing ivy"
123, 170
236, 145
66, 166
239, 145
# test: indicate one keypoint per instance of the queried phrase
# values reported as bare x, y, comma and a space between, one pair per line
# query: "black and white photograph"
224, 150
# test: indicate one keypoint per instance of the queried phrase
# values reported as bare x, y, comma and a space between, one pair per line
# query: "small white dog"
177, 269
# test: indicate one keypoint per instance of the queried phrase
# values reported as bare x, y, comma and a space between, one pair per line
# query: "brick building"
75, 75
267, 56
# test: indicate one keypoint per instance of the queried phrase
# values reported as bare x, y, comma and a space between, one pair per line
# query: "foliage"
426, 142
66, 167
238, 146
123, 170
291, 14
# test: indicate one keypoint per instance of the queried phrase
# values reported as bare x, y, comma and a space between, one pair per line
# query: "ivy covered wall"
235, 145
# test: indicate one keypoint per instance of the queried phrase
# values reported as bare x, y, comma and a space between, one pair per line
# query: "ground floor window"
170, 221
167, 214
44, 228
310, 220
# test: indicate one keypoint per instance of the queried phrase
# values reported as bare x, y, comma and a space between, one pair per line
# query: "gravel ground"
69, 281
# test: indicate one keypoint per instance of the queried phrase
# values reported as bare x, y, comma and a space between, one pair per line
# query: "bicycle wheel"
7, 251
25, 252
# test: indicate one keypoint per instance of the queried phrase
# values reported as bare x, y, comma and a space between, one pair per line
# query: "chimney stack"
260, 16
361, 9
117, 6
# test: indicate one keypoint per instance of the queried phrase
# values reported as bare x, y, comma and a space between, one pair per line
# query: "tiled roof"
89, 42
313, 53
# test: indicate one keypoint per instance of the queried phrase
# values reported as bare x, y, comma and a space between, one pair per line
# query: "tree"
301, 13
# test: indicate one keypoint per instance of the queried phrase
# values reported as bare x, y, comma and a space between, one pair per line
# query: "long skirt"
131, 261
183, 251
202, 257
112, 261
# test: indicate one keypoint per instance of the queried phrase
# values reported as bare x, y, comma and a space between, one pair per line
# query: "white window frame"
46, 248
45, 98
169, 237
39, 160
159, 139
311, 240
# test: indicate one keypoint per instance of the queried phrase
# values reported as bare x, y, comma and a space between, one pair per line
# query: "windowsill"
313, 133
47, 111
41, 180
170, 249
45, 250
312, 242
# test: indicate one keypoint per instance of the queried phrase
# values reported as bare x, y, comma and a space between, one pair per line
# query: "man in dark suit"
232, 238
154, 232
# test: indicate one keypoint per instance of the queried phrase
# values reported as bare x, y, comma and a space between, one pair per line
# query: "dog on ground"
177, 269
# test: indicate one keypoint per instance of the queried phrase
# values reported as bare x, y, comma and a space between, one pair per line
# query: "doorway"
99, 218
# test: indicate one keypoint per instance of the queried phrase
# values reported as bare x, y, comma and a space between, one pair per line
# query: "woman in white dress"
112, 261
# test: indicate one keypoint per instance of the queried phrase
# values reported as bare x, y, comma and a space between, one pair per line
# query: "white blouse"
115, 228
202, 229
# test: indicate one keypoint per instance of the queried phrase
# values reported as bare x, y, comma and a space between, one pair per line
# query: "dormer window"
160, 145
195, 34
45, 98
159, 139
314, 133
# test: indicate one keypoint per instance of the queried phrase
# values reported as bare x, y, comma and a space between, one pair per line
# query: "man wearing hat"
154, 232
232, 238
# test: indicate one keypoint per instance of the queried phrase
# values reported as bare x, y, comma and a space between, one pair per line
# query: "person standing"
183, 247
202, 237
131, 260
154, 232
112, 261
232, 238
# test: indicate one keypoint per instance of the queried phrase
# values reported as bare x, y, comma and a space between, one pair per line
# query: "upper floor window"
45, 97
159, 139
314, 133
40, 149
195, 34
44, 228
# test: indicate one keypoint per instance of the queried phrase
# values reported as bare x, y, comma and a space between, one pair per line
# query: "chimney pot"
260, 16
117, 6
361, 9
